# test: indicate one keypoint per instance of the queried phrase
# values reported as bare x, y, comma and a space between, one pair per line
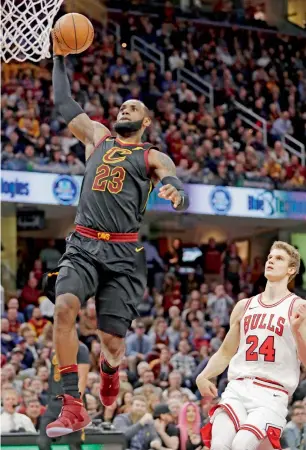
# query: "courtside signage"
40, 188
52, 189
238, 202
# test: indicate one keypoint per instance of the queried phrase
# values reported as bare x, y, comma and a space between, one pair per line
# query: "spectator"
33, 412
184, 363
232, 266
295, 430
12, 421
155, 264
282, 126
38, 387
37, 271
189, 425
28, 356
7, 339
138, 345
75, 166
29, 297
138, 426
37, 322
17, 356
88, 323
174, 255
126, 403
175, 385
212, 262
162, 367
171, 293
50, 255
94, 356
144, 308
219, 305
91, 405
167, 431
14, 325
159, 336
14, 304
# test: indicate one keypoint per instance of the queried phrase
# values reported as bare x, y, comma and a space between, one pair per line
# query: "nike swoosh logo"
275, 395
138, 249
254, 307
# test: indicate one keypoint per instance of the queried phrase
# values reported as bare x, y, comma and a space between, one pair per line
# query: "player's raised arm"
164, 170
221, 359
77, 120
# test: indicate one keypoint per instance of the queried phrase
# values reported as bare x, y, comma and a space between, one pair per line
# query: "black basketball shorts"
114, 274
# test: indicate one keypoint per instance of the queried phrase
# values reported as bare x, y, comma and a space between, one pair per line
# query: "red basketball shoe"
109, 386
73, 417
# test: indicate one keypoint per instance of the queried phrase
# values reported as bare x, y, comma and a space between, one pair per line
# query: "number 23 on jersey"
109, 178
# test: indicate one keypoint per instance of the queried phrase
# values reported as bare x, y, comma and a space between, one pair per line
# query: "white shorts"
256, 408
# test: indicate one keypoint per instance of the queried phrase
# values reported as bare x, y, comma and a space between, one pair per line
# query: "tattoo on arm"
165, 165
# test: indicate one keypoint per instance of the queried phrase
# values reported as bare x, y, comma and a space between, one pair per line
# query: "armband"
175, 182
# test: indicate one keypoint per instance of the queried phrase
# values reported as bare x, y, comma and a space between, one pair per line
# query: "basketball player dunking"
103, 258
263, 348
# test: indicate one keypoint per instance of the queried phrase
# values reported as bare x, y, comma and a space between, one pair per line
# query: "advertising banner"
40, 188
239, 202
53, 189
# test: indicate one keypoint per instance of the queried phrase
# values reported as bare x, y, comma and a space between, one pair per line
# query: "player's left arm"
164, 170
298, 327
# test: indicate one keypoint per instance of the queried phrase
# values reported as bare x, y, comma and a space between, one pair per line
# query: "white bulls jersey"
267, 348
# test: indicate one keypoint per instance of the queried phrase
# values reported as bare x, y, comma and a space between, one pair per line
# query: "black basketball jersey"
115, 188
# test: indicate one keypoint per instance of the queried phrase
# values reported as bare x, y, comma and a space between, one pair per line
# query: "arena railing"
291, 144
113, 28
192, 80
253, 120
149, 52
197, 84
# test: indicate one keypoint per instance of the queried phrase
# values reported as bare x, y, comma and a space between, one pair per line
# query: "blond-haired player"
263, 348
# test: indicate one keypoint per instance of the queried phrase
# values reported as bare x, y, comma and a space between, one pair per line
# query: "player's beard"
127, 128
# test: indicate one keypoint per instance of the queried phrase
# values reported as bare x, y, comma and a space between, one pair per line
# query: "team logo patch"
220, 200
65, 190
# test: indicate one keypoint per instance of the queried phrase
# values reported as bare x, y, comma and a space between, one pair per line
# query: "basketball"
74, 32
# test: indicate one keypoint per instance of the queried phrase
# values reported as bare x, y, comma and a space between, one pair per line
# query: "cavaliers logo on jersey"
116, 155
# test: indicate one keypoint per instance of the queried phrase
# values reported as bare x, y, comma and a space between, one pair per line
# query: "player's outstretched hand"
298, 317
57, 50
206, 387
169, 192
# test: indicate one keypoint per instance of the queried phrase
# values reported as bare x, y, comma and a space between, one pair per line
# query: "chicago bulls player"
264, 347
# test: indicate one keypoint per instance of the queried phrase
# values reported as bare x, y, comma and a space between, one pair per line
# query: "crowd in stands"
264, 72
183, 319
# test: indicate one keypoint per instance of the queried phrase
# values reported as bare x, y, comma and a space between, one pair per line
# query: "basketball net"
25, 29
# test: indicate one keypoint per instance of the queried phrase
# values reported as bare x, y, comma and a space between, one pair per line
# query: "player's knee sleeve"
223, 432
245, 440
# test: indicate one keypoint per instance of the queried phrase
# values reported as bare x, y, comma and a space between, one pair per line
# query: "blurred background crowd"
262, 71
183, 319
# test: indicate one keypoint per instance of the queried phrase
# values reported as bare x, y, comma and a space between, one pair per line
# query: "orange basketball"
74, 32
